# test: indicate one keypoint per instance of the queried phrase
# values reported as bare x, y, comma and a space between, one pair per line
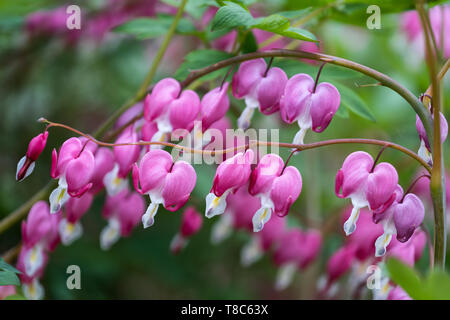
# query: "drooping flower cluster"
356, 257
39, 237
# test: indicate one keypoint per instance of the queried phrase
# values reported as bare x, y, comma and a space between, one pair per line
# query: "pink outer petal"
184, 110
268, 168
408, 216
163, 93
353, 175
381, 185
70, 150
77, 207
247, 77
285, 190
36, 146
289, 248
324, 104
270, 89
130, 211
297, 91
148, 130
312, 242
232, 173
111, 205
214, 105
178, 185
153, 169
243, 206
79, 172
37, 225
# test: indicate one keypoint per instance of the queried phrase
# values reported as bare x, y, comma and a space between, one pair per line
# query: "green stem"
437, 183
150, 75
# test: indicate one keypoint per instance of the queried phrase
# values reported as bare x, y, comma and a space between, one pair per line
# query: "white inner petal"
113, 183
215, 205
148, 219
222, 229
33, 290
69, 232
285, 276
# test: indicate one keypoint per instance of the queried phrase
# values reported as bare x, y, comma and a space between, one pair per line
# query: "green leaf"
299, 34
9, 278
295, 14
354, 103
230, 16
249, 43
273, 23
200, 59
438, 285
407, 278
342, 113
7, 267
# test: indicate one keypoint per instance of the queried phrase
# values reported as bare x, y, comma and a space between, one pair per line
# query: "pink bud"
408, 215
26, 164
214, 105
269, 167
77, 207
148, 130
163, 93
126, 155
247, 77
104, 163
232, 173
36, 146
191, 222
285, 190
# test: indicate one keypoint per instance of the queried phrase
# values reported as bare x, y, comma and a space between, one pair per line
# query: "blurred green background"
82, 84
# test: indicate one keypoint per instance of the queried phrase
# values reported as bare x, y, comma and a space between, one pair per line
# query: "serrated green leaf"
354, 103
9, 278
230, 16
299, 34
407, 278
272, 23
7, 267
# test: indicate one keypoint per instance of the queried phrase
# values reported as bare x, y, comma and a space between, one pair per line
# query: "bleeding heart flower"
104, 163
230, 175
366, 185
261, 88
74, 167
26, 165
276, 186
70, 228
166, 182
311, 106
123, 213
